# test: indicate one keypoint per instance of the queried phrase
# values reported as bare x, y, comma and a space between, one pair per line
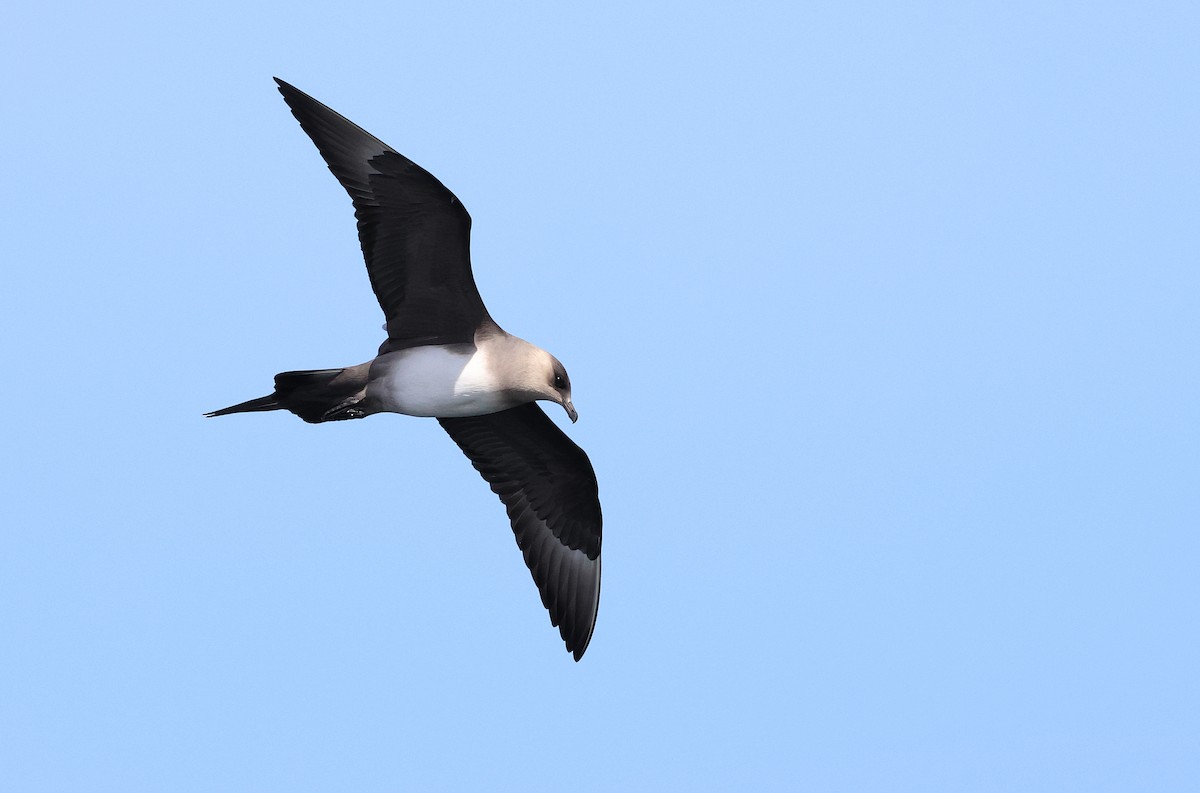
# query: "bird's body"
443, 380
446, 358
452, 380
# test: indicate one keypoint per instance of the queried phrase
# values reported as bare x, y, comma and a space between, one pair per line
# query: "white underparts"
438, 381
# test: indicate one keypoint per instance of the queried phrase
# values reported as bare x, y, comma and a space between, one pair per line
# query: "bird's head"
538, 376
546, 378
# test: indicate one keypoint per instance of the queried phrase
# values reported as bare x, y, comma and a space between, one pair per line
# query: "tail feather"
315, 396
249, 406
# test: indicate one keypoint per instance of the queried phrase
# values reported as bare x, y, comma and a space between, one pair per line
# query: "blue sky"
882, 323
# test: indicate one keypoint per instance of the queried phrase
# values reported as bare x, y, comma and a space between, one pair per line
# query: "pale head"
540, 376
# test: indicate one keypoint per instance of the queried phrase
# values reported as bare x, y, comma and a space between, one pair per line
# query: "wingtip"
577, 652
289, 91
581, 648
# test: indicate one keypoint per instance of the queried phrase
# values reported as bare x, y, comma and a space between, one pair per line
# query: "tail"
315, 396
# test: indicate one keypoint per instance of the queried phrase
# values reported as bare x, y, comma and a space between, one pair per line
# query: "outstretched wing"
549, 488
415, 234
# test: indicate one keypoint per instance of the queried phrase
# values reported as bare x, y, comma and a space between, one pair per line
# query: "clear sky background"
883, 328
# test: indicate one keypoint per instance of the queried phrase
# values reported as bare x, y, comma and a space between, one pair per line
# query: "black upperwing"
415, 234
549, 488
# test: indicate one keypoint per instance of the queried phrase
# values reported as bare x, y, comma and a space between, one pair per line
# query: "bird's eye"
559, 382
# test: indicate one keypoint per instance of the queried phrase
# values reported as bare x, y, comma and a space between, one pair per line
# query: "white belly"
435, 381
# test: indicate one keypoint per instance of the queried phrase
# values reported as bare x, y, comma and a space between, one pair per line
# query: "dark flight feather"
415, 234
549, 489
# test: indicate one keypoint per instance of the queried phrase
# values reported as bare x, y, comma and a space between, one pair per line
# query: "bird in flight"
445, 357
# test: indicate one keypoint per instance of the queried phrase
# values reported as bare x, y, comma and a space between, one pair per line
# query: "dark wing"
415, 234
549, 488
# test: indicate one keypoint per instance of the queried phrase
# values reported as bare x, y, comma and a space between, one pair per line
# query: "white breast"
436, 381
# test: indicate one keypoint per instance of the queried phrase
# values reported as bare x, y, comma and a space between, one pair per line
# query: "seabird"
445, 357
